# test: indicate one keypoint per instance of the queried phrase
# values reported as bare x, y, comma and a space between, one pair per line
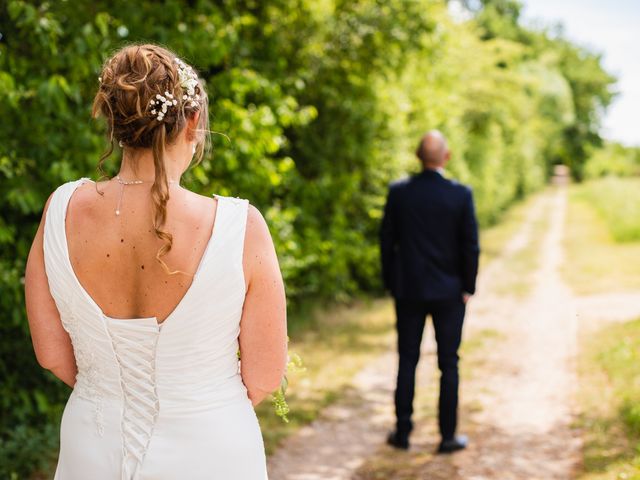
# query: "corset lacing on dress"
134, 344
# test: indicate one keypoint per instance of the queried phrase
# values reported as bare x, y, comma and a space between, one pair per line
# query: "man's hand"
465, 297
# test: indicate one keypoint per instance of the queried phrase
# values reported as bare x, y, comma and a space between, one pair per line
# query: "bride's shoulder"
257, 235
260, 260
65, 186
255, 219
70, 184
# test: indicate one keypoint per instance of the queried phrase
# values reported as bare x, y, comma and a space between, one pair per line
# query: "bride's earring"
194, 149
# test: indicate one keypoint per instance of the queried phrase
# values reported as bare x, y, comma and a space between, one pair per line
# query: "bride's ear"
192, 126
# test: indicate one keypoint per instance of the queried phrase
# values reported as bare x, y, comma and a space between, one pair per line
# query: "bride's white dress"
158, 401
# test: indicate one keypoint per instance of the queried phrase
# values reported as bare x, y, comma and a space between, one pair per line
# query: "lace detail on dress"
89, 373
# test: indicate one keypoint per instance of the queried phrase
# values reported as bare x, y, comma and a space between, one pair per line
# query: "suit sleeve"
388, 238
470, 245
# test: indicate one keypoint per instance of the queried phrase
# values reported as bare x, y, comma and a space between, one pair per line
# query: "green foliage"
323, 104
617, 200
28, 449
589, 85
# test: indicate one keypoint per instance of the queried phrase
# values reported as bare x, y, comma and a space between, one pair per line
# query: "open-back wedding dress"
158, 401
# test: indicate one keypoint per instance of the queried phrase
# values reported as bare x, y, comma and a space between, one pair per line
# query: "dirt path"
516, 395
521, 428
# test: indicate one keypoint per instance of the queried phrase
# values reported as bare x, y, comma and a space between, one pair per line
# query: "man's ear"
192, 126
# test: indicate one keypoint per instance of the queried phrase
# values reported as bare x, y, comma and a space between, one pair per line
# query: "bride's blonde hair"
130, 81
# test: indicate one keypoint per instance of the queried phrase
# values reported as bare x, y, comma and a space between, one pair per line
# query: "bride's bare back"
114, 256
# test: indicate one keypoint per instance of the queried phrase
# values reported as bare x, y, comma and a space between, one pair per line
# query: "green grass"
595, 261
617, 200
609, 368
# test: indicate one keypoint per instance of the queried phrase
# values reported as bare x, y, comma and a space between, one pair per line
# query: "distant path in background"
517, 392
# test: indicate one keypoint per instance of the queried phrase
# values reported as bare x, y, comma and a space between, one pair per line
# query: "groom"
429, 251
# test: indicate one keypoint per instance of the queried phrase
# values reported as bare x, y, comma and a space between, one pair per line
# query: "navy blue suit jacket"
429, 238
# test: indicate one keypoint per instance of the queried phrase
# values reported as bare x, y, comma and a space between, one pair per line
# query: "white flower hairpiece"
163, 103
188, 81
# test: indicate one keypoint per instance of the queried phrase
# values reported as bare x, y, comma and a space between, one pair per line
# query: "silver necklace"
131, 182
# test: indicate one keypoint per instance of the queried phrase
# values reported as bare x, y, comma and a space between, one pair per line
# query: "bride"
140, 294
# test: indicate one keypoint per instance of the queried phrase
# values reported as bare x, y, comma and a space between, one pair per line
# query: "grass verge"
595, 261
617, 200
609, 368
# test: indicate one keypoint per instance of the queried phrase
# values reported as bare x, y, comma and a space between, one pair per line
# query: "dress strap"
233, 224
56, 253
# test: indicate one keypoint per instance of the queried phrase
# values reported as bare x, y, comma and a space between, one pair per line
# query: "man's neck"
438, 169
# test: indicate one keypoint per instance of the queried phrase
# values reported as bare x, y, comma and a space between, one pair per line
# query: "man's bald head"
433, 150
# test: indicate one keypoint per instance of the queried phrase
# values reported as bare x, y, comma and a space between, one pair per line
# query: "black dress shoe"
398, 440
453, 445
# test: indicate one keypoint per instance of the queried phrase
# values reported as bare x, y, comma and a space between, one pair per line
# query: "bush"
28, 449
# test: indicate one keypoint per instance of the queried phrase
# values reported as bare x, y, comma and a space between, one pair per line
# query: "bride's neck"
139, 165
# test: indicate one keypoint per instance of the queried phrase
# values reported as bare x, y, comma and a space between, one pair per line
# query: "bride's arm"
51, 342
263, 327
